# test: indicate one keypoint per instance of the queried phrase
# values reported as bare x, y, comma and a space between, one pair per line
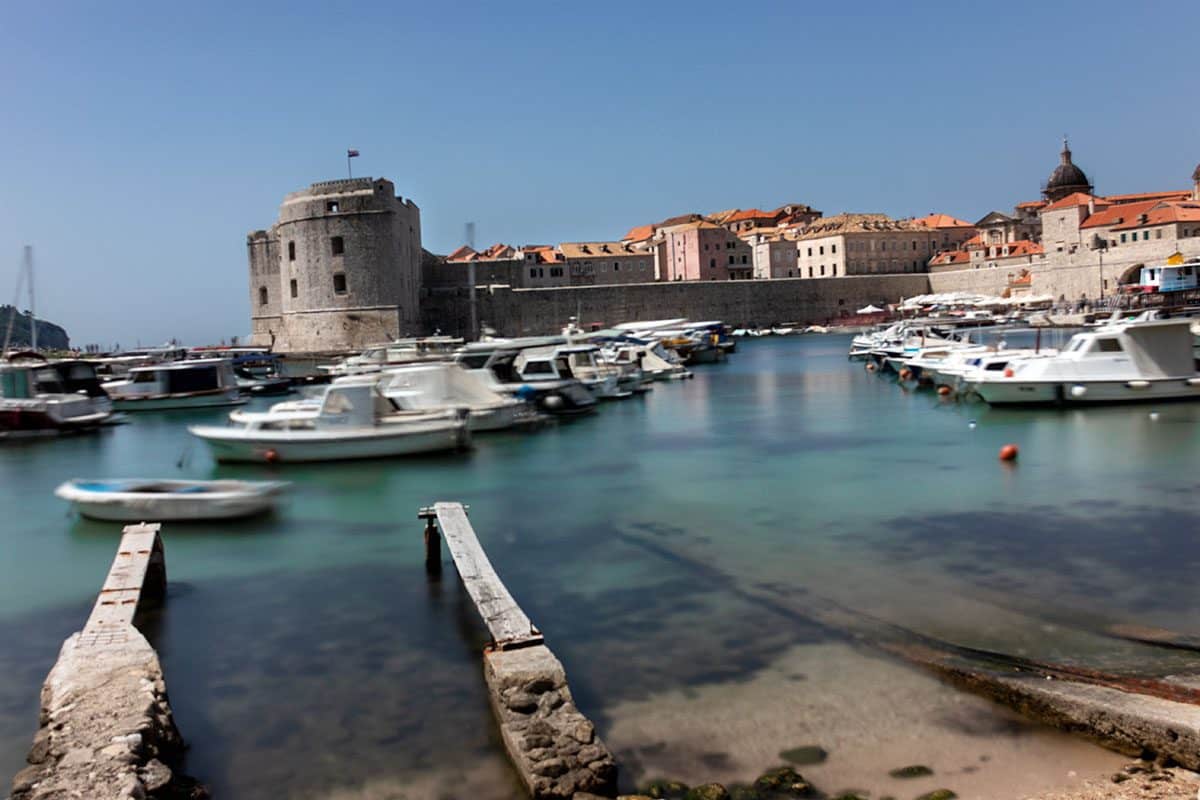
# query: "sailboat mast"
32, 307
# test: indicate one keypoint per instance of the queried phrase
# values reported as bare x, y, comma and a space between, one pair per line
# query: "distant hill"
50, 336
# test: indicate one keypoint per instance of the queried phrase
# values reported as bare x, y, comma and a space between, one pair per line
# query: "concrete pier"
553, 746
106, 726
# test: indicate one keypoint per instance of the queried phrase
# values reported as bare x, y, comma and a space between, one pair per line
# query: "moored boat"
355, 420
181, 384
142, 500
1121, 363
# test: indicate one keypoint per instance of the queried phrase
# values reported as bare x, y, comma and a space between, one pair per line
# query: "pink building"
702, 251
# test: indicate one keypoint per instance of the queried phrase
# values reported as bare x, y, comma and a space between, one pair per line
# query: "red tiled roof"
749, 213
1163, 214
639, 234
951, 257
942, 221
1073, 200
1133, 198
1117, 214
463, 253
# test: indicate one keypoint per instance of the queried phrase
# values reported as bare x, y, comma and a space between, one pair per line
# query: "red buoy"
271, 456
943, 390
1009, 452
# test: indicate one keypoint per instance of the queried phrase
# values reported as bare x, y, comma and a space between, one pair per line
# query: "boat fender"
1078, 390
271, 456
1009, 452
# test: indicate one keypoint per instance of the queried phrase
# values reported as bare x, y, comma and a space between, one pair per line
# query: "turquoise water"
306, 652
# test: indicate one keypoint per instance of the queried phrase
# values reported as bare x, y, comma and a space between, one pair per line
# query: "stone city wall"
516, 312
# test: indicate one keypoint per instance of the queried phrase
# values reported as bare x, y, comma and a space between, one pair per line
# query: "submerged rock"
912, 771
785, 781
665, 790
806, 755
938, 794
708, 791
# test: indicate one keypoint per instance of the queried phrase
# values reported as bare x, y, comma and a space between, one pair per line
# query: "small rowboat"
136, 500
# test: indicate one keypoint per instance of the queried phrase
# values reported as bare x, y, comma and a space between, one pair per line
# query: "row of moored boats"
1121, 360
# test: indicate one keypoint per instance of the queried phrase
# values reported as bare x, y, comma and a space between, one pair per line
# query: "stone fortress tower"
339, 270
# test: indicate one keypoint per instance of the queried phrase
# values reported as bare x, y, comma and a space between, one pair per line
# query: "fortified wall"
516, 312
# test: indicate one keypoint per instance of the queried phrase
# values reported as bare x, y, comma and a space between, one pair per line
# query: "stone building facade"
340, 269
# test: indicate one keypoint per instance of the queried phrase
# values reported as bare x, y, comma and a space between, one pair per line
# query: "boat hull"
239, 445
226, 502
1017, 392
171, 402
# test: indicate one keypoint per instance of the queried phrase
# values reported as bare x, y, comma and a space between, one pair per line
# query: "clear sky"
142, 141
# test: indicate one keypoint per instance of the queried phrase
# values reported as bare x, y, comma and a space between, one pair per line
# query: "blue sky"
143, 141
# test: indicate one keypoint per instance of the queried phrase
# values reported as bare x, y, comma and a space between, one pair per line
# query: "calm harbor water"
661, 544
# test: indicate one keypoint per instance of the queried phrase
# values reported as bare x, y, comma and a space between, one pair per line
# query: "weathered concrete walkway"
554, 747
106, 723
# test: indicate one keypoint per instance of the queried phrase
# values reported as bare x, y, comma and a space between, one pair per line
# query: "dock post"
433, 543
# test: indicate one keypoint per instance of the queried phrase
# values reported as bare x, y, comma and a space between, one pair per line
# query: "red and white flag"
351, 154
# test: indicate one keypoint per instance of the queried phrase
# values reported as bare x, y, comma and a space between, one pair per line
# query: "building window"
262, 295
339, 283
291, 251
337, 245
332, 207
294, 288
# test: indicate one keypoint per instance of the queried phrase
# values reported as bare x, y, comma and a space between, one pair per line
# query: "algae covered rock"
707, 791
783, 781
805, 756
665, 790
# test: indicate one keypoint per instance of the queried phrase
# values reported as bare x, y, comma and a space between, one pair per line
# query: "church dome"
1066, 178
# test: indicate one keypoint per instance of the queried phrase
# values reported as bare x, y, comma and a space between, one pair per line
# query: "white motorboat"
427, 388
494, 362
38, 397
181, 384
398, 353
138, 500
575, 361
354, 420
1121, 363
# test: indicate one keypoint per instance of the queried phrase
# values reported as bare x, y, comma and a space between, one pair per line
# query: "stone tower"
339, 270
1066, 178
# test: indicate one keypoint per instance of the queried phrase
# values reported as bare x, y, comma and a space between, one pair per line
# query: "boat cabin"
1171, 277
178, 378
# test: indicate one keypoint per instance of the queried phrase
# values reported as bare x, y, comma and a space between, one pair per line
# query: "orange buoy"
271, 456
943, 390
1009, 452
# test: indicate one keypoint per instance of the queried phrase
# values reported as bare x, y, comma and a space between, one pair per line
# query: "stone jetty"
553, 746
106, 728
